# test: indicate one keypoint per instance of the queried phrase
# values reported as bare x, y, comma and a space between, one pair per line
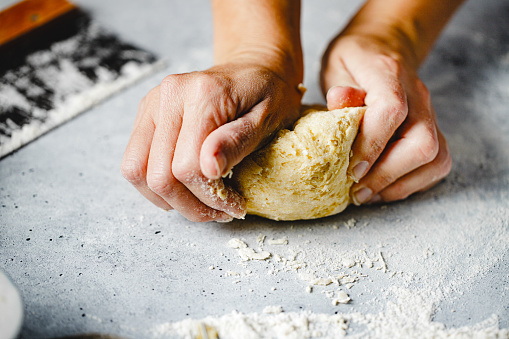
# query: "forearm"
259, 31
410, 28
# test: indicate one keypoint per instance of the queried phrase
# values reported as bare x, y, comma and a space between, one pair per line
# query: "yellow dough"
301, 174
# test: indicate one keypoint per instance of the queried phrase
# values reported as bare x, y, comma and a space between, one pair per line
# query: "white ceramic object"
11, 308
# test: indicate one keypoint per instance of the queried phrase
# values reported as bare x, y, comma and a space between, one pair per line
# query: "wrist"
286, 63
390, 39
261, 32
407, 29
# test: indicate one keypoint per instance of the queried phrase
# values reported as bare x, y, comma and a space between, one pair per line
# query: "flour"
408, 314
391, 275
254, 326
408, 303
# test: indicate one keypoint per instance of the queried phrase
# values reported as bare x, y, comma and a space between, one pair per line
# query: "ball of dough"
301, 174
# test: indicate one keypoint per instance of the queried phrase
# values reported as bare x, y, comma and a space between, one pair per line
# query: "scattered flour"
406, 306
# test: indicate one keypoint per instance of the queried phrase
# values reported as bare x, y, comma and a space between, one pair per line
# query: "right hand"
194, 127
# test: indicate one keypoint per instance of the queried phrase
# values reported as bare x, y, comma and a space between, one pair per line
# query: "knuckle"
376, 148
394, 109
160, 183
398, 191
132, 170
169, 86
149, 99
206, 83
213, 95
142, 103
383, 179
152, 93
428, 147
397, 113
444, 162
183, 171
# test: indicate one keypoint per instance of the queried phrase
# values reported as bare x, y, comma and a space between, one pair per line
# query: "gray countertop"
90, 255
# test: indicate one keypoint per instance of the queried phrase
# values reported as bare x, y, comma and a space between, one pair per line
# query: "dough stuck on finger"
302, 173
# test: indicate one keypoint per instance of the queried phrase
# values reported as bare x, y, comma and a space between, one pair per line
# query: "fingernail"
359, 170
221, 162
362, 195
376, 198
330, 89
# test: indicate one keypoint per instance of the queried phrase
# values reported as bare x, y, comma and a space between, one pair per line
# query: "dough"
301, 174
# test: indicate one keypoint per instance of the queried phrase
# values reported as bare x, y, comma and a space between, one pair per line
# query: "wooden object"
27, 15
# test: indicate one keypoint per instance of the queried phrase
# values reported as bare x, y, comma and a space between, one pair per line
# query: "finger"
417, 145
206, 109
134, 161
335, 74
160, 178
421, 179
342, 90
237, 139
387, 109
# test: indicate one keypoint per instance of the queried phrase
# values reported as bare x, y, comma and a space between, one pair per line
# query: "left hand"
399, 149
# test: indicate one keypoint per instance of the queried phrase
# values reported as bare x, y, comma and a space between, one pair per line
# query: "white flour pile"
408, 317
342, 276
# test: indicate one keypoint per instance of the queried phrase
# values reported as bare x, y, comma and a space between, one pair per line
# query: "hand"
193, 128
399, 149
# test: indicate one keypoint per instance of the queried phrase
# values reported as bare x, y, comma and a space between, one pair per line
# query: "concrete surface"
89, 254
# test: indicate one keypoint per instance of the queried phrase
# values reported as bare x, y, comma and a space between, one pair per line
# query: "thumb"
342, 90
345, 96
226, 146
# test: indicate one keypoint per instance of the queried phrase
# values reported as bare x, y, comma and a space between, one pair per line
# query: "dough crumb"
321, 281
236, 243
348, 262
260, 239
282, 241
273, 309
342, 298
250, 254
350, 223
